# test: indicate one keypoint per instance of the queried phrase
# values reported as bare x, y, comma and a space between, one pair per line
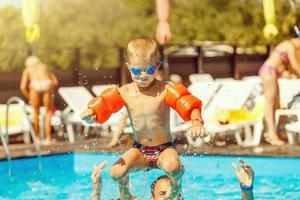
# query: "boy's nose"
143, 74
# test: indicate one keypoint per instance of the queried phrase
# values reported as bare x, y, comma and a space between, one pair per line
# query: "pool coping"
98, 145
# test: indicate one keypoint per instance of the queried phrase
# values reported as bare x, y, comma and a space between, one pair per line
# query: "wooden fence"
233, 65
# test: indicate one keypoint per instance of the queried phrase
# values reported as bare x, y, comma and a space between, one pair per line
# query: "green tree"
98, 26
12, 39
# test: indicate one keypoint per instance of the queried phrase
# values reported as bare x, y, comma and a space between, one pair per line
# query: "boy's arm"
197, 129
196, 118
188, 107
103, 106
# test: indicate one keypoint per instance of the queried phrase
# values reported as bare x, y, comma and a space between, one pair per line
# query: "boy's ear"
127, 63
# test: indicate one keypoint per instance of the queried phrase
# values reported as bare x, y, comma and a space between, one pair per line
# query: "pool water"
67, 176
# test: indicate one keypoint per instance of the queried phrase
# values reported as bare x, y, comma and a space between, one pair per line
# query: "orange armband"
107, 103
180, 99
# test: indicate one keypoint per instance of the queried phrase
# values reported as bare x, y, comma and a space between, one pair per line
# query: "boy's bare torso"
148, 113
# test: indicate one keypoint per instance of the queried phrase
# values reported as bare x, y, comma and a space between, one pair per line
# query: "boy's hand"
197, 131
245, 174
88, 116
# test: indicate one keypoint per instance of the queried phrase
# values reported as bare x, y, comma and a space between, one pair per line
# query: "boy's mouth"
144, 82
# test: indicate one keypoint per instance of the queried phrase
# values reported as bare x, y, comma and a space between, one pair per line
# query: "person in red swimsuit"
284, 61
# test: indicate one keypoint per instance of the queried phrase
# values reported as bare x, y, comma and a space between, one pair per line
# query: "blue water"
67, 176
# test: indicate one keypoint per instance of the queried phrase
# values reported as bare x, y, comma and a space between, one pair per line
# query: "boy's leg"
131, 161
170, 163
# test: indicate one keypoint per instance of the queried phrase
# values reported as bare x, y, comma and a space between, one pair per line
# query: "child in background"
148, 103
37, 86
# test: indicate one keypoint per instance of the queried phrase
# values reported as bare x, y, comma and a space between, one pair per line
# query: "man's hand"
197, 131
245, 174
88, 116
97, 181
163, 33
96, 174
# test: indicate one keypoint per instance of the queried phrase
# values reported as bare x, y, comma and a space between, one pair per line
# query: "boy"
147, 101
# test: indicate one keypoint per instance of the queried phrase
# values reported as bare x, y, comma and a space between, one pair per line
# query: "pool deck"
98, 145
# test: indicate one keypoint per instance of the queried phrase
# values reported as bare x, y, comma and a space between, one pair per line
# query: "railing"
6, 151
20, 102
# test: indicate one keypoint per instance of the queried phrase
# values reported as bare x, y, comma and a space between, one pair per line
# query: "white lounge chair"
230, 95
257, 81
200, 78
287, 89
233, 95
224, 80
293, 132
97, 89
77, 99
17, 123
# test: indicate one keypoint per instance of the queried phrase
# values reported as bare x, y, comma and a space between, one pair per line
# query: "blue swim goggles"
149, 70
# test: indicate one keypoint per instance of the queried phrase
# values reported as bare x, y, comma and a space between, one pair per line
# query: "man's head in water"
160, 188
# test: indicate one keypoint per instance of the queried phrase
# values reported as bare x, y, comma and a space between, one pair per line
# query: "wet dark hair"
154, 183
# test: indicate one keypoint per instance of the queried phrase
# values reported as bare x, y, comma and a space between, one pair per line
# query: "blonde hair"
32, 60
143, 50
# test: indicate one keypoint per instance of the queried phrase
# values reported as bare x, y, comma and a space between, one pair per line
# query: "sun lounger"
293, 131
17, 123
77, 99
288, 88
230, 95
233, 95
193, 78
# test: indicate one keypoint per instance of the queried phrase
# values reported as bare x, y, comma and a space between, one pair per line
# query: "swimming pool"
67, 176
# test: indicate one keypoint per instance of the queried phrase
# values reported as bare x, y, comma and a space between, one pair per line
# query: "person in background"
284, 61
161, 187
163, 33
37, 85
